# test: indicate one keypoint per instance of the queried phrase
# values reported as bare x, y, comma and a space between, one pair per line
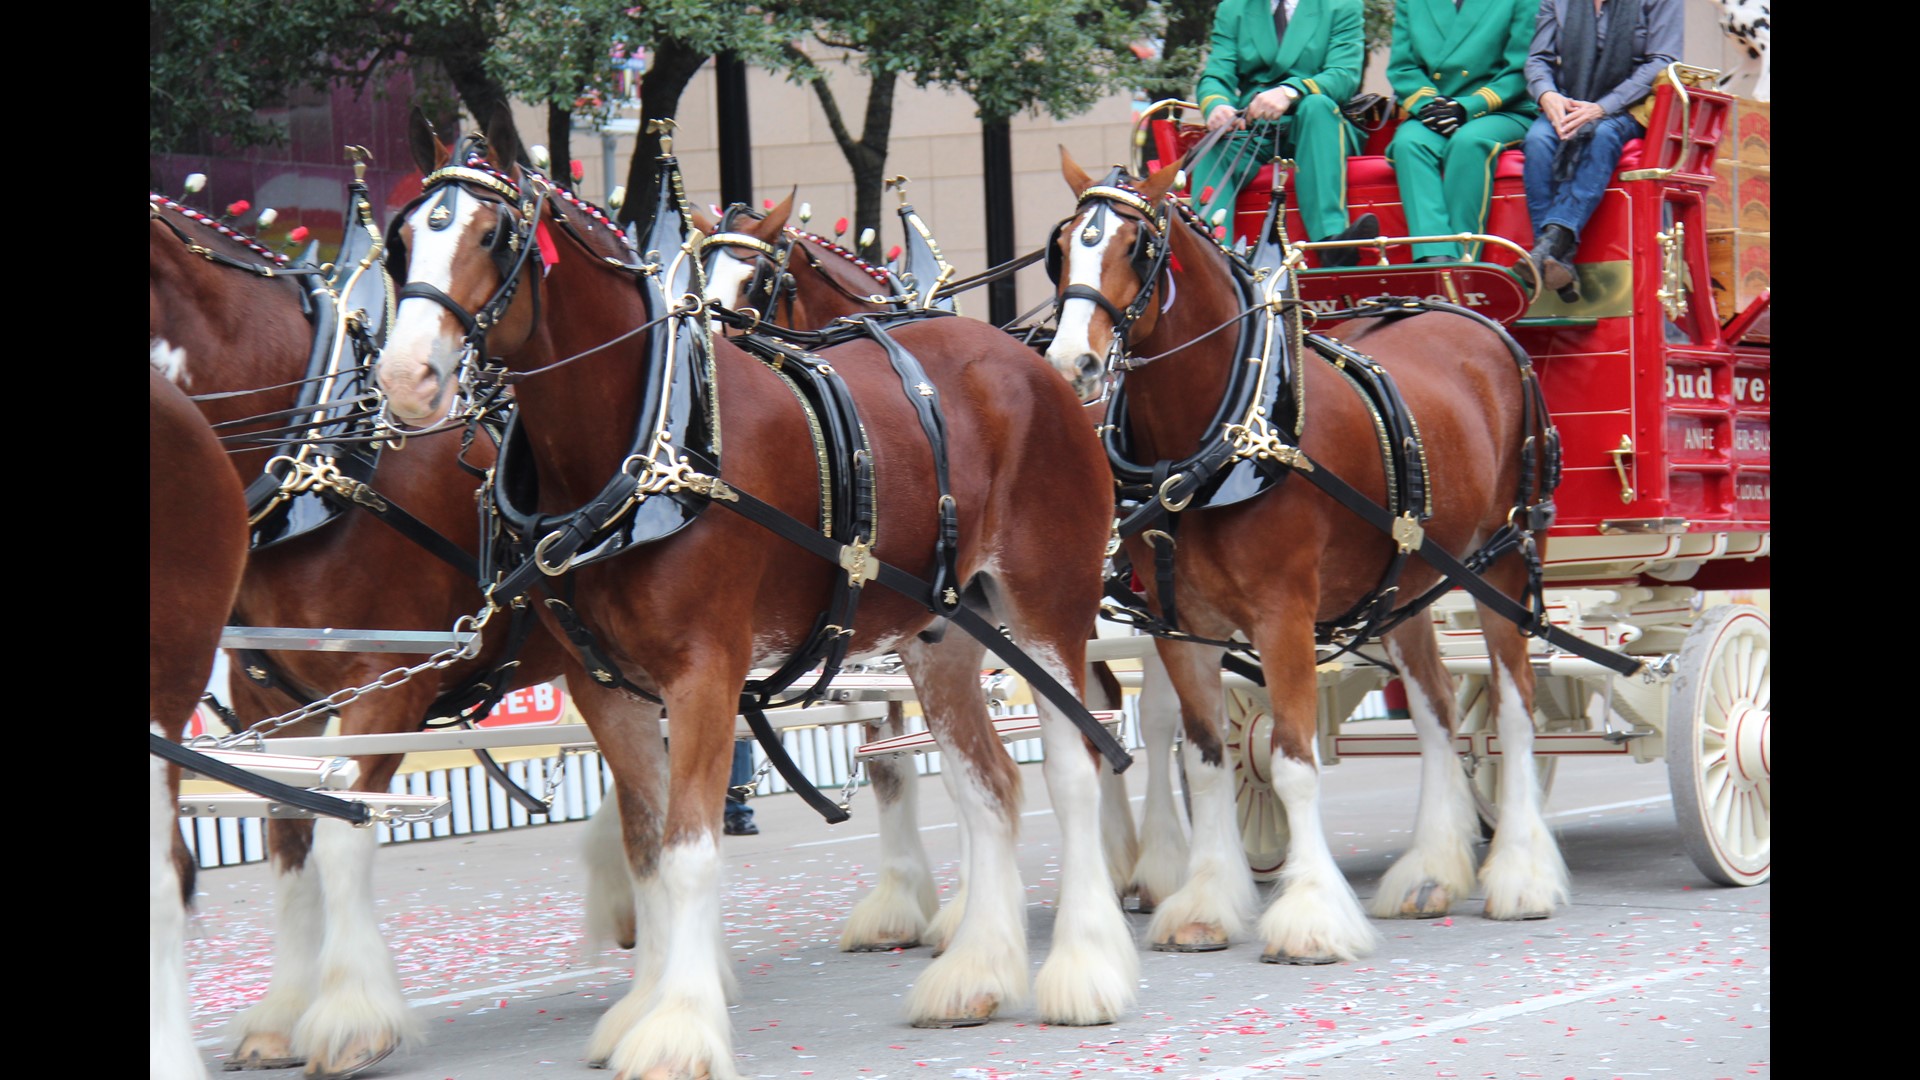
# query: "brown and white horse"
334, 999
196, 552
1272, 565
692, 613
803, 281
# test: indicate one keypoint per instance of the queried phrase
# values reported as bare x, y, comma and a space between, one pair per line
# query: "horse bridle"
772, 279
1149, 258
511, 244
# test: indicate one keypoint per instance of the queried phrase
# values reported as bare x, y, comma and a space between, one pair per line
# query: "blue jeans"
1570, 202
737, 808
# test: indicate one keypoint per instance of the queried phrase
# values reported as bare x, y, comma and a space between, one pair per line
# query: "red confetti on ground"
1327, 1025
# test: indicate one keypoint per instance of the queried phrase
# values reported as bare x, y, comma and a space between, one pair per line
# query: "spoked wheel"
1718, 715
1263, 821
1473, 712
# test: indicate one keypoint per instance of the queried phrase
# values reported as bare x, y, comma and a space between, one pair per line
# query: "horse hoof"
1143, 903
885, 946
1521, 916
1194, 937
1303, 961
352, 1063
1430, 901
264, 1050
975, 1013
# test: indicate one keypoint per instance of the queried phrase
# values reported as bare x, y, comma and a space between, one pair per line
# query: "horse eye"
487, 240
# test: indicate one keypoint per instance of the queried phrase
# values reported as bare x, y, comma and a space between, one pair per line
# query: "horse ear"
503, 142
1156, 186
776, 218
1077, 177
702, 222
429, 153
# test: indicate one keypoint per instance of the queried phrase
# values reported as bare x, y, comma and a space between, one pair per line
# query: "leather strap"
355, 812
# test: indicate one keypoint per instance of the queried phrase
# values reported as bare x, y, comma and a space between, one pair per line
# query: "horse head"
745, 256
461, 252
1104, 261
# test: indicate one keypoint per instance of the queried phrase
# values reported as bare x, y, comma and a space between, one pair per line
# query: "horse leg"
359, 1016
1524, 875
171, 1054
1092, 970
945, 921
684, 1031
265, 1031
610, 919
1161, 867
984, 963
1117, 836
1215, 903
1315, 918
895, 914
1438, 868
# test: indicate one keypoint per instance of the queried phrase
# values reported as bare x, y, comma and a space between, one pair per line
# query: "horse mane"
157, 202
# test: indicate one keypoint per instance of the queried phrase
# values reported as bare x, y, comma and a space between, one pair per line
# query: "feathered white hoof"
1313, 922
946, 922
676, 1041
266, 1033
351, 1028
1160, 871
1206, 913
1524, 875
614, 1024
1089, 977
895, 915
171, 1055
1424, 883
966, 986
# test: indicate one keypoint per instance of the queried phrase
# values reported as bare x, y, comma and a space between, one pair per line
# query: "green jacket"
1476, 55
1322, 54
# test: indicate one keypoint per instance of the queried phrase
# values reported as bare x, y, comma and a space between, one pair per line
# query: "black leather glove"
1443, 116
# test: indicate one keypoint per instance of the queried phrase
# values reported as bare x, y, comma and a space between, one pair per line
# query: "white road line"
1649, 801
1472, 1019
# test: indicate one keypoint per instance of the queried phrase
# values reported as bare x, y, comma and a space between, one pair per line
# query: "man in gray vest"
1591, 62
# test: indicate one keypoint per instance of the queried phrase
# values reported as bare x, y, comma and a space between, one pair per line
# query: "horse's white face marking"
728, 278
424, 344
1072, 343
169, 360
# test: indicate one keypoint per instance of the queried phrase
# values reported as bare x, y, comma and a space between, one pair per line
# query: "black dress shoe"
1365, 227
1436, 259
742, 827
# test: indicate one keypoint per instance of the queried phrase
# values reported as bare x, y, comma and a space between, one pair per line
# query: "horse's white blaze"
169, 360
1073, 338
171, 1054
685, 1029
1524, 874
1442, 851
299, 919
1315, 914
727, 277
1092, 970
360, 1008
1162, 866
425, 337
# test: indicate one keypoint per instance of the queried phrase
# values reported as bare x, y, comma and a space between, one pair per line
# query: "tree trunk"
866, 156
673, 66
482, 96
560, 142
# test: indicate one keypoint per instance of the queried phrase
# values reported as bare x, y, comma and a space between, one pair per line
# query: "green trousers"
1446, 181
1314, 135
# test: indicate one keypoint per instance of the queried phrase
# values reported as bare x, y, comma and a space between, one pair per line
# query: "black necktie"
1280, 21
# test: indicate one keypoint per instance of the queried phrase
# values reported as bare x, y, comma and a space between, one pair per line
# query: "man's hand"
1554, 105
1270, 104
1222, 116
1443, 116
1575, 116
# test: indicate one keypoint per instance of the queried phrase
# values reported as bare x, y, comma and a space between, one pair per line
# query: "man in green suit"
1279, 70
1459, 71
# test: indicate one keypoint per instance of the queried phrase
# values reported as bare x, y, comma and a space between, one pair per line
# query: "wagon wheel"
1473, 712
1717, 740
1263, 821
